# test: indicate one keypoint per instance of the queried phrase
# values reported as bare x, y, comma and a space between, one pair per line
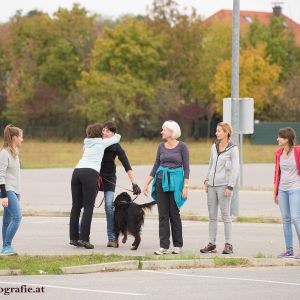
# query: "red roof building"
247, 17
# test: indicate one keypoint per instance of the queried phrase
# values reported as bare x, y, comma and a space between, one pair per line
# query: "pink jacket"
277, 167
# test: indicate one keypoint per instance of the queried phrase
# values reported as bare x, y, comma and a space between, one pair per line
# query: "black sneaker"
210, 248
85, 244
75, 243
228, 249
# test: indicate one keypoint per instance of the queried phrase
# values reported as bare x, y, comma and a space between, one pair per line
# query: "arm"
209, 169
186, 168
125, 162
112, 140
234, 168
3, 168
157, 163
209, 164
153, 172
146, 188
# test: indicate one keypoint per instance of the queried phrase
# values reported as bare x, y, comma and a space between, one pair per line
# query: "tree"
281, 48
47, 58
258, 79
125, 66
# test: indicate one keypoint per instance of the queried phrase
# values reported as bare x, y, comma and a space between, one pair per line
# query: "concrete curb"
186, 217
114, 266
273, 262
177, 264
10, 272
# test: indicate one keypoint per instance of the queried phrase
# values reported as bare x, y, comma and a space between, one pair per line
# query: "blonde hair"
226, 128
9, 132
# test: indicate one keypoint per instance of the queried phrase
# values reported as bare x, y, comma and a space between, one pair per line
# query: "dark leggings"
168, 214
84, 192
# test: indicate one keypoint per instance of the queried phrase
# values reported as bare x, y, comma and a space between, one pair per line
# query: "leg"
283, 200
89, 179
76, 189
163, 212
15, 213
225, 212
109, 211
137, 241
175, 220
124, 239
294, 200
5, 222
212, 204
116, 231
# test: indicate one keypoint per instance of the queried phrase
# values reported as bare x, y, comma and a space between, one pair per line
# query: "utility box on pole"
246, 114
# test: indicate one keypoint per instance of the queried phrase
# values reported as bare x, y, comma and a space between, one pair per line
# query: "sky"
115, 8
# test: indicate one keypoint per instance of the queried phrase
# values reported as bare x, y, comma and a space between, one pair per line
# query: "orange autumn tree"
259, 79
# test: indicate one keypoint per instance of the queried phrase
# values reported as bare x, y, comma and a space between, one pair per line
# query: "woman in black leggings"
84, 184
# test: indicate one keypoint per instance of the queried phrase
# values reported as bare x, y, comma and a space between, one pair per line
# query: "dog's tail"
147, 205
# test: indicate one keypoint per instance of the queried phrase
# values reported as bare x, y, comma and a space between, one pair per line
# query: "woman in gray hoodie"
221, 178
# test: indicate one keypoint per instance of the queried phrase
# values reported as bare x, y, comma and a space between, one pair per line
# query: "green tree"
125, 66
47, 58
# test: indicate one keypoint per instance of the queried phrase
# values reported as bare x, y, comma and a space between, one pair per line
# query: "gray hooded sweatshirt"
223, 166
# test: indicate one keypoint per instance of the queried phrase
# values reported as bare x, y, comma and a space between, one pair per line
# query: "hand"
184, 193
276, 200
205, 186
136, 189
146, 190
228, 193
5, 202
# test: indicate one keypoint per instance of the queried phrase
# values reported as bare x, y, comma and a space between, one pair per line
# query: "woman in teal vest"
170, 176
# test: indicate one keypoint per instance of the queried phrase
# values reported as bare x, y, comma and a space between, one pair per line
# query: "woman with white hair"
170, 176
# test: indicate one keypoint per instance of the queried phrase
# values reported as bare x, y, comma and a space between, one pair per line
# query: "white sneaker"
161, 251
176, 250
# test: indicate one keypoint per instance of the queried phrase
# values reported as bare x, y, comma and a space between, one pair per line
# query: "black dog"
129, 218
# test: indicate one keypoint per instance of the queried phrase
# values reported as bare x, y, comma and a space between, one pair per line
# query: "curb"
10, 272
185, 217
177, 264
114, 266
273, 262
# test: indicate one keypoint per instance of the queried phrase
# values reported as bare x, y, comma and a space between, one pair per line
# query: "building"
247, 18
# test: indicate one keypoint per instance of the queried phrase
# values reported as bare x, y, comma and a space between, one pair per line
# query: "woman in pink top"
287, 187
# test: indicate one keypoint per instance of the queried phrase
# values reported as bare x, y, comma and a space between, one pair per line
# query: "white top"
94, 151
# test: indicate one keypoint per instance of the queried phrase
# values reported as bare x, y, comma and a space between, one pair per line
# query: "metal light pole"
235, 90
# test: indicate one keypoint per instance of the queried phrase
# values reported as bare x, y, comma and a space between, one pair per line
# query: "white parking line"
71, 288
223, 277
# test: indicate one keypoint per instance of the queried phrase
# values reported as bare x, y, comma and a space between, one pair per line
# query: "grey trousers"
216, 197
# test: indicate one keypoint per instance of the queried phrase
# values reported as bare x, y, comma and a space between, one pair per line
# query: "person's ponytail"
9, 132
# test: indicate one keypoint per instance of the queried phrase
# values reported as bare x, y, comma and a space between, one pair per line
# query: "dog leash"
100, 183
131, 191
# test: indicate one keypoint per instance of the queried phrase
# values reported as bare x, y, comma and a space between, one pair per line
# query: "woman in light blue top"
84, 184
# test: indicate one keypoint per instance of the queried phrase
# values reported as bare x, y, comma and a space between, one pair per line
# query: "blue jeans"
289, 203
109, 210
12, 216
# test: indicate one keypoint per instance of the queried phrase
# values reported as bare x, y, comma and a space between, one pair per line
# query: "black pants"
84, 191
168, 214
